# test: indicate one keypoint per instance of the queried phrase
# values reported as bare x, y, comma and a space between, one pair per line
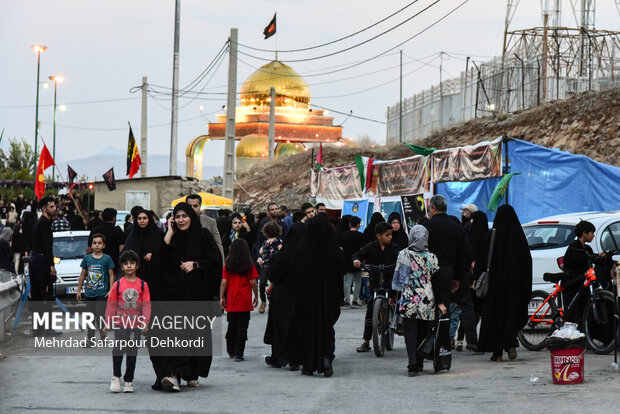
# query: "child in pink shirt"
128, 312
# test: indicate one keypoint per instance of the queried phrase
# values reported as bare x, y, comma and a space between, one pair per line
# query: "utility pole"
464, 115
440, 90
175, 90
272, 122
229, 146
143, 151
400, 107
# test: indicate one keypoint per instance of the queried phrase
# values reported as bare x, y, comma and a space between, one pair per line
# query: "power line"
333, 41
377, 86
72, 103
125, 129
350, 114
354, 46
436, 22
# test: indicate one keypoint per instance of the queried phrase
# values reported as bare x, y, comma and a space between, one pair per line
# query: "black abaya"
320, 268
202, 284
281, 330
504, 310
369, 231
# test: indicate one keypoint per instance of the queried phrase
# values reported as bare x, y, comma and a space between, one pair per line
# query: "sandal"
364, 347
512, 353
496, 357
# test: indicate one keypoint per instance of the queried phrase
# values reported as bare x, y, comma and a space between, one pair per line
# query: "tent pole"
505, 140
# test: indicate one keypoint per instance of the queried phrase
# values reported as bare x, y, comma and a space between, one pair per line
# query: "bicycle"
382, 312
546, 316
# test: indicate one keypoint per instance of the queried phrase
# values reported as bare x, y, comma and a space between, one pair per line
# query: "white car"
549, 237
69, 249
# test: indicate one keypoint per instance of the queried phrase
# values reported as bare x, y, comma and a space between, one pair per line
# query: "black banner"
108, 177
413, 208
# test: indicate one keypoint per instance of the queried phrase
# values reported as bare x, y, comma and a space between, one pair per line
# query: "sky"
103, 48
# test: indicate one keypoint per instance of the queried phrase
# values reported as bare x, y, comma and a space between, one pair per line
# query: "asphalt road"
362, 383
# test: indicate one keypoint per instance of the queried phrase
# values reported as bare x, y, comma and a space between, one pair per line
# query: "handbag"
482, 284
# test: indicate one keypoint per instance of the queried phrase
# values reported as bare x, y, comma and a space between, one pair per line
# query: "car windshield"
70, 247
547, 236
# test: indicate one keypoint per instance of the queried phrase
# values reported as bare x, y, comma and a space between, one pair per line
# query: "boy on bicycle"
578, 258
378, 252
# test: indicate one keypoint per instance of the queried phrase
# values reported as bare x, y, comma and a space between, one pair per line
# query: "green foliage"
17, 162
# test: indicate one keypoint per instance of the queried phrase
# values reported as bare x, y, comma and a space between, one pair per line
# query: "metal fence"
492, 87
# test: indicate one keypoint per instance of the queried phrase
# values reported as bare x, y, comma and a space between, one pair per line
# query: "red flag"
133, 156
319, 157
45, 161
270, 30
369, 172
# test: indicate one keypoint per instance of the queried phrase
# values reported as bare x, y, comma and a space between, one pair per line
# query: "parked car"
120, 218
549, 237
69, 248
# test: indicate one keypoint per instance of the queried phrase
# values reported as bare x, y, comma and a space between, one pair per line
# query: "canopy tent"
208, 200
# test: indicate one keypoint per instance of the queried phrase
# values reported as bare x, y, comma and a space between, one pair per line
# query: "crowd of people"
298, 267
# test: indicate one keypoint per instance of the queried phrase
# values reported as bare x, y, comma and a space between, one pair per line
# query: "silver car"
549, 237
69, 250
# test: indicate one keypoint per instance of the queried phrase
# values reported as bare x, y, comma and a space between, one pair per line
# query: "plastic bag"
568, 336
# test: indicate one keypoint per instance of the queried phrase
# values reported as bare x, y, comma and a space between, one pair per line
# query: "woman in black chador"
319, 291
281, 331
146, 239
192, 271
504, 310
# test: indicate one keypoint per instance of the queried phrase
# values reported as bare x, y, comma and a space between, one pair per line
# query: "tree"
16, 164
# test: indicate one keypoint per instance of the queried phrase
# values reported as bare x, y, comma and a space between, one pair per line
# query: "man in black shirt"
114, 237
380, 251
41, 264
351, 242
578, 258
446, 239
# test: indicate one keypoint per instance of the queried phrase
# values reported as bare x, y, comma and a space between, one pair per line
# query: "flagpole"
79, 209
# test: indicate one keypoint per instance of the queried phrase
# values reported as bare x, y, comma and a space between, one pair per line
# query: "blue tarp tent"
551, 182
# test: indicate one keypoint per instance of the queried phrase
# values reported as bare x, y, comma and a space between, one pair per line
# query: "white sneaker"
128, 387
170, 383
193, 383
115, 384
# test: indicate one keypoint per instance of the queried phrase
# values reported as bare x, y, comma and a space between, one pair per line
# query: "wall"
161, 190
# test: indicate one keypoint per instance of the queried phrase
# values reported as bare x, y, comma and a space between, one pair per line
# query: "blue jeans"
355, 279
455, 314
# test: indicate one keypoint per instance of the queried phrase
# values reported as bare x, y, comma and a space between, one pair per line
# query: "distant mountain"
94, 167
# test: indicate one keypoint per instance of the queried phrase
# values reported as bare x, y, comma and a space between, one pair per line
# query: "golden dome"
291, 89
285, 149
253, 146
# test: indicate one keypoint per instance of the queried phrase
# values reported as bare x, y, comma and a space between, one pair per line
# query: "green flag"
360, 168
420, 150
500, 190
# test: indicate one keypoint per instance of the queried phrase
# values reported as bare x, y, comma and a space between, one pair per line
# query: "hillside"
587, 123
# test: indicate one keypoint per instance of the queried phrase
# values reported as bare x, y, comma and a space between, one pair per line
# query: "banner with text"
404, 176
469, 163
413, 208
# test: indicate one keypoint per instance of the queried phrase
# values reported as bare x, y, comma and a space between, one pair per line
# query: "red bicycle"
547, 314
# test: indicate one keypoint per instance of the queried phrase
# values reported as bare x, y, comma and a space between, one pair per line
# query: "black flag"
72, 174
270, 30
109, 179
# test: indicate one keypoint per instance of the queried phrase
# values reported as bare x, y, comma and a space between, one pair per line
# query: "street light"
56, 79
38, 49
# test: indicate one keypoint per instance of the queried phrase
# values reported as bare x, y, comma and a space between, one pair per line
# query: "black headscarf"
477, 232
399, 238
188, 243
369, 231
143, 241
343, 224
504, 310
